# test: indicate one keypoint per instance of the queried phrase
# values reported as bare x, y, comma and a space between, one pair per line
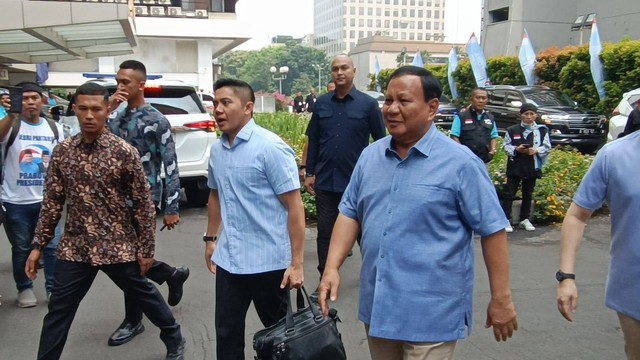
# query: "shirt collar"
244, 134
350, 94
423, 146
103, 140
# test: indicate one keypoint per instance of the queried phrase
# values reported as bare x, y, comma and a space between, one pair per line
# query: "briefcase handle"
317, 315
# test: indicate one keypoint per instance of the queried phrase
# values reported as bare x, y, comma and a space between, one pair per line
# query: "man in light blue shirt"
418, 197
255, 196
612, 177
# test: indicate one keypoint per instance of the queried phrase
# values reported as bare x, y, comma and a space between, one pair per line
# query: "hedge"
565, 69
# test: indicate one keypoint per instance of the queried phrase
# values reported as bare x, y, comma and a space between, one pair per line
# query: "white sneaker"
526, 224
508, 229
27, 299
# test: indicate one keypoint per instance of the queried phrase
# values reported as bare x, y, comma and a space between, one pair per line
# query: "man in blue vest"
475, 128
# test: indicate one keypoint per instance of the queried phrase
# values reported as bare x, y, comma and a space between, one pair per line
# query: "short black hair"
240, 88
91, 88
135, 65
431, 88
479, 88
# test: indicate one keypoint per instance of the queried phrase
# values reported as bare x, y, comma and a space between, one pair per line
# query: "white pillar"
205, 59
106, 65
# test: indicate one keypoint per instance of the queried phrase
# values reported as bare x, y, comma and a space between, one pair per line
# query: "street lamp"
283, 74
583, 22
319, 68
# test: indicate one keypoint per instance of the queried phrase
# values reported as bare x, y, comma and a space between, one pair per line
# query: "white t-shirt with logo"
26, 162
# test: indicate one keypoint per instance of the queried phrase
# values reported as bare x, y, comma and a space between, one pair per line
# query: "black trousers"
159, 272
513, 183
327, 208
72, 282
234, 294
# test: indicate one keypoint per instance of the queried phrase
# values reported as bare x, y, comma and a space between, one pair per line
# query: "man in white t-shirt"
23, 183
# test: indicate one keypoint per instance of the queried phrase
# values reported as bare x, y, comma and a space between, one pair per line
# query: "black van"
568, 124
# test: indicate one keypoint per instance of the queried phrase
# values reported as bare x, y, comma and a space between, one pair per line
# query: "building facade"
339, 24
178, 39
549, 23
387, 51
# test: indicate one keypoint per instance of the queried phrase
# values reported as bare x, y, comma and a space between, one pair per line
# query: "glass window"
419, 36
370, 11
387, 23
411, 36
428, 2
436, 14
360, 34
427, 36
361, 22
403, 36
404, 2
387, 12
436, 26
370, 22
420, 13
378, 23
361, 11
352, 34
395, 24
352, 22
352, 10
419, 24
404, 12
412, 13
428, 14
427, 25
395, 12
378, 11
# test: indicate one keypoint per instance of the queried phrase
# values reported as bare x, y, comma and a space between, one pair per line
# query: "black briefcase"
304, 335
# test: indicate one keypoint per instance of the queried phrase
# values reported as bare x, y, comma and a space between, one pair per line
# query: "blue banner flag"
42, 73
527, 59
453, 65
417, 60
478, 62
597, 70
377, 72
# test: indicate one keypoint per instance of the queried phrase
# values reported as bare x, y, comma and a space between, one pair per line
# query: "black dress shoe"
125, 332
175, 283
177, 353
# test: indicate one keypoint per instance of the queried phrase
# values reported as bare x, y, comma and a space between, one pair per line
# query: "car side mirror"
515, 103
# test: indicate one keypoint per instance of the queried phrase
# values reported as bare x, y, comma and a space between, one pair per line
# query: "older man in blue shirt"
418, 198
338, 131
255, 195
612, 177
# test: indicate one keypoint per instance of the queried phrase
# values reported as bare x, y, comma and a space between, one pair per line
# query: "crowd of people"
412, 200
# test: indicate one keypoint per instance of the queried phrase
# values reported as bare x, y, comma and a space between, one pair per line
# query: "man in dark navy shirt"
339, 130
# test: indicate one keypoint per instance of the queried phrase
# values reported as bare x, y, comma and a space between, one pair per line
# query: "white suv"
621, 113
192, 127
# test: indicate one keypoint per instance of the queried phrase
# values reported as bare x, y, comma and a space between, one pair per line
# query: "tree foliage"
254, 67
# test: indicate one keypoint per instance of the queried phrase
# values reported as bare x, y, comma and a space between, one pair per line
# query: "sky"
268, 18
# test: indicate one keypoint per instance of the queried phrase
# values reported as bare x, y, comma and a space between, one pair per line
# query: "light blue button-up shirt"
249, 176
613, 177
418, 216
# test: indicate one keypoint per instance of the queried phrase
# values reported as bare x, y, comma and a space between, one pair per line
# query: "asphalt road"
543, 333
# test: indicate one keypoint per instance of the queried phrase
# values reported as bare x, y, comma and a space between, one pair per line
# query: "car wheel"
197, 196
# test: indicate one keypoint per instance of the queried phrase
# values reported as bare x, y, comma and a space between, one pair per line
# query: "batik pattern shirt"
110, 214
150, 132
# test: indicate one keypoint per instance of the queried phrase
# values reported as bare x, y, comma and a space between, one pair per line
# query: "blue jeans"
20, 225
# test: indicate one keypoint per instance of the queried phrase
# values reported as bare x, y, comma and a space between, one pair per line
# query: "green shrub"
553, 193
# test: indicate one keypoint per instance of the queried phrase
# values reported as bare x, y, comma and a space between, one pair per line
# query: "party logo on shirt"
487, 121
517, 137
468, 121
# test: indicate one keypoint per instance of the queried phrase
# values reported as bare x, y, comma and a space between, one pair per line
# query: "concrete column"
205, 59
107, 65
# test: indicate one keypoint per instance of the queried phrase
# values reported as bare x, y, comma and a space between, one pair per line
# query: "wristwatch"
302, 167
206, 238
560, 276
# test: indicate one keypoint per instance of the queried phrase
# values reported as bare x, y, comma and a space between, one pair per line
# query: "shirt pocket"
357, 121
